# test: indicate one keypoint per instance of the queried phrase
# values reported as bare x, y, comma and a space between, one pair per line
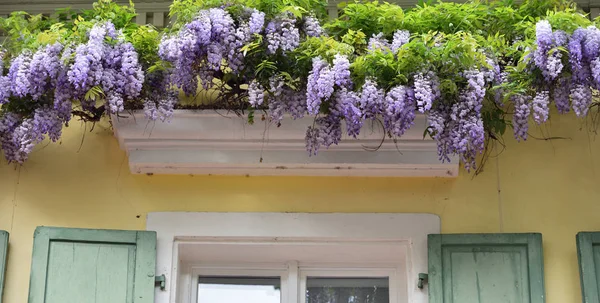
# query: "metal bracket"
423, 278
162, 280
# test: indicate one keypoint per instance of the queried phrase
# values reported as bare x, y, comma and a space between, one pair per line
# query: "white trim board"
189, 227
222, 143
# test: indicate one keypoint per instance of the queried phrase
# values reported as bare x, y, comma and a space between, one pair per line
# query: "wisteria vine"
470, 83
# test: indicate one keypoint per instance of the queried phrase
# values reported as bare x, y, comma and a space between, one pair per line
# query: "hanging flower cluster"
47, 81
278, 58
566, 67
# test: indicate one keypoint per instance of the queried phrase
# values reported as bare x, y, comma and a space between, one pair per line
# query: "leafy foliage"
475, 68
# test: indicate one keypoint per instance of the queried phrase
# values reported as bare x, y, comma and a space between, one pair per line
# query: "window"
367, 286
291, 258
249, 289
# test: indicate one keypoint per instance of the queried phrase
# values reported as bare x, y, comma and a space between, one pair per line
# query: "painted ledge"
221, 143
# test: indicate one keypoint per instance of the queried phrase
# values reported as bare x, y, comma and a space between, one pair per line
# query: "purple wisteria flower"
256, 22
581, 98
312, 27
399, 110
319, 85
371, 99
400, 38
561, 95
378, 42
341, 71
426, 90
540, 106
521, 116
256, 93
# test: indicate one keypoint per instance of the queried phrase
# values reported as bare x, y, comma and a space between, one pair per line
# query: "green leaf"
251, 115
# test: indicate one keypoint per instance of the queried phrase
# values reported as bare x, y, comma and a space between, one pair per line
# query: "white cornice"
220, 143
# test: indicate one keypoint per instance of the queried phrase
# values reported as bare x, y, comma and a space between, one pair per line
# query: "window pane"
347, 290
229, 289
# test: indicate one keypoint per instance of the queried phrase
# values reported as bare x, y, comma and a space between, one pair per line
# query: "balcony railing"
156, 12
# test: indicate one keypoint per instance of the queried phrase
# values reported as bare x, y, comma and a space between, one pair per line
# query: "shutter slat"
3, 257
588, 255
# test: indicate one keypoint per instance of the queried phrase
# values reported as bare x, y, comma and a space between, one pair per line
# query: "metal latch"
162, 280
423, 278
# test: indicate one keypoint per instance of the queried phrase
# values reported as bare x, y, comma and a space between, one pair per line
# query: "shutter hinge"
160, 280
423, 278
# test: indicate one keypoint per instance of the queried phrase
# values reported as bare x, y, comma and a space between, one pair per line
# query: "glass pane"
347, 290
229, 289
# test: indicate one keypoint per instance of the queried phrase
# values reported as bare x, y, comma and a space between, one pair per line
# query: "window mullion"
292, 283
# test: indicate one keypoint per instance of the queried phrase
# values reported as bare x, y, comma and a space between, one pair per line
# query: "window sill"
221, 143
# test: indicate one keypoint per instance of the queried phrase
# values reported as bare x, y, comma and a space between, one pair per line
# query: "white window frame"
390, 273
228, 270
177, 228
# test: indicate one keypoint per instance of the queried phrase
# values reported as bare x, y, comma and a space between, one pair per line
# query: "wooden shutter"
491, 268
84, 265
3, 255
588, 254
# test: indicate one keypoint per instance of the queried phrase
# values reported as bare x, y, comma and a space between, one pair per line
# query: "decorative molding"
185, 235
221, 143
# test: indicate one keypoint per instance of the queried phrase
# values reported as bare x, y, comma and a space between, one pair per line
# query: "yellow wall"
538, 186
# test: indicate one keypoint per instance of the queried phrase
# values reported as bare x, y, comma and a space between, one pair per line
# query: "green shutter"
490, 268
3, 255
588, 254
85, 265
